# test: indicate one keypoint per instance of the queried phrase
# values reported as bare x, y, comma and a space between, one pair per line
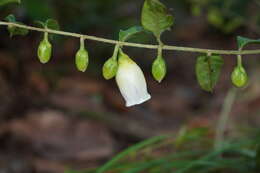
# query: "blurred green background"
54, 118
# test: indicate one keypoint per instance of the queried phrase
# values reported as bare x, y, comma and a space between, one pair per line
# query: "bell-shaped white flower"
131, 82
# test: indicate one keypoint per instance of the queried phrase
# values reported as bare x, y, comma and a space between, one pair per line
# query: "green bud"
239, 77
159, 69
82, 59
44, 50
110, 68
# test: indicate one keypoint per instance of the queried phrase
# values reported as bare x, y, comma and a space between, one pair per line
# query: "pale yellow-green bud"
159, 69
44, 50
239, 77
82, 59
110, 68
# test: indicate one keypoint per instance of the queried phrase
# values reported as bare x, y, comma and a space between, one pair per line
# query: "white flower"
131, 82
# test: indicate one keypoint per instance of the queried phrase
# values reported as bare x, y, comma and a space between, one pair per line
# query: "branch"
147, 46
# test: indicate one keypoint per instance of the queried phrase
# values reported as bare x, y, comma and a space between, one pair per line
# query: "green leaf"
4, 2
208, 69
10, 18
125, 35
13, 30
52, 24
155, 17
243, 41
130, 150
39, 23
17, 31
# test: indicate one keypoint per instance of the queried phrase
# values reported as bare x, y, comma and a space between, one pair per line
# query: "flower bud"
110, 68
159, 69
82, 59
44, 50
131, 81
239, 77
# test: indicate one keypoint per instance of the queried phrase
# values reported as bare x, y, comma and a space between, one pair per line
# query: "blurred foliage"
84, 14
227, 15
14, 30
190, 151
4, 2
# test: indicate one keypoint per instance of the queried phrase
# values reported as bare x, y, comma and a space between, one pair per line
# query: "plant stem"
160, 50
224, 117
147, 46
46, 37
239, 59
116, 50
82, 43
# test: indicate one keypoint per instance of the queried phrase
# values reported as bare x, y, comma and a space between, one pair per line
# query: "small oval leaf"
39, 23
13, 30
17, 31
52, 24
155, 17
243, 41
208, 69
125, 35
10, 18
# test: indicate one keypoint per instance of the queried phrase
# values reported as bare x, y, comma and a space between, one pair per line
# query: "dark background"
53, 117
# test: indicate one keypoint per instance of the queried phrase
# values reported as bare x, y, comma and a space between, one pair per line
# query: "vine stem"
82, 43
239, 59
147, 46
224, 117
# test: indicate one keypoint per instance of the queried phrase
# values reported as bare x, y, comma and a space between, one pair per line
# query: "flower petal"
131, 82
